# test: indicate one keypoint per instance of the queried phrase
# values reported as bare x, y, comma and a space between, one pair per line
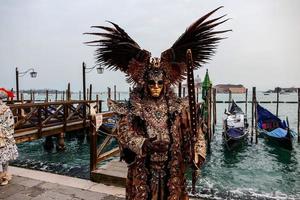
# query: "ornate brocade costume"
156, 176
9, 151
157, 141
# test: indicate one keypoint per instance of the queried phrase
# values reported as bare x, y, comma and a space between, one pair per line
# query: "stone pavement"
36, 185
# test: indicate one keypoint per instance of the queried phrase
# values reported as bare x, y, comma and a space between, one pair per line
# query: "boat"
235, 127
274, 129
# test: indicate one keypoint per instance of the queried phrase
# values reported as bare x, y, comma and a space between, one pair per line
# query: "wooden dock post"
179, 89
31, 96
115, 92
252, 113
91, 91
246, 102
48, 143
214, 110
87, 93
93, 144
63, 96
69, 92
56, 95
60, 146
22, 97
229, 99
197, 93
298, 115
277, 101
183, 92
209, 115
108, 95
79, 95
47, 96
255, 115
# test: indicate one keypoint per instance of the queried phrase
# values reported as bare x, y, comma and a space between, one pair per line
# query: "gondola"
274, 129
235, 129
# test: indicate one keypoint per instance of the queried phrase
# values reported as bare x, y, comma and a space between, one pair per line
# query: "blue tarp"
278, 133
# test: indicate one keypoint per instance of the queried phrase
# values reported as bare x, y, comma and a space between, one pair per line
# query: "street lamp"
84, 68
32, 73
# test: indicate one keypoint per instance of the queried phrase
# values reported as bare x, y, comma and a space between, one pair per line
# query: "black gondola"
235, 129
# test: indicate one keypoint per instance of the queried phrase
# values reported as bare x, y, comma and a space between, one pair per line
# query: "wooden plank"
110, 153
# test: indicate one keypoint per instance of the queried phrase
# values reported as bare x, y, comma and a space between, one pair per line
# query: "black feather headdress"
118, 51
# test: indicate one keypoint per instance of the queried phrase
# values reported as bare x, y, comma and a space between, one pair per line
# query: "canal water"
253, 171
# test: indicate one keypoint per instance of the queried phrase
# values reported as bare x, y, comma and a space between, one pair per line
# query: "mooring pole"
179, 89
115, 92
47, 96
31, 96
298, 115
93, 145
197, 93
252, 114
255, 116
69, 92
214, 108
246, 102
209, 115
55, 95
229, 99
91, 91
183, 92
277, 101
83, 81
108, 95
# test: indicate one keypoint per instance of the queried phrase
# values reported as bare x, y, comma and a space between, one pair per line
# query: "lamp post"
33, 74
84, 68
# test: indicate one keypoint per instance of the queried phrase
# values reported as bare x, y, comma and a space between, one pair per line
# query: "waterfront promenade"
36, 185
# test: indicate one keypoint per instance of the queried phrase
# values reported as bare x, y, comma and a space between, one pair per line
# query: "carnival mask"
155, 82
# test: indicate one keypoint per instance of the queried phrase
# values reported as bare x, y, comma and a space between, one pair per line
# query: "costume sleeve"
130, 135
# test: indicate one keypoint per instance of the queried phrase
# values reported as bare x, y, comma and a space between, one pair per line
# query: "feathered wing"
116, 49
201, 38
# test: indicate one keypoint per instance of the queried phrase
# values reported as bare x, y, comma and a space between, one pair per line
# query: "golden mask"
155, 82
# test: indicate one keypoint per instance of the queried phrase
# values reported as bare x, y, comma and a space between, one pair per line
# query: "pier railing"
97, 149
36, 120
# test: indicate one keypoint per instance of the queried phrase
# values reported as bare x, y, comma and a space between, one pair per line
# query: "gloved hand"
152, 145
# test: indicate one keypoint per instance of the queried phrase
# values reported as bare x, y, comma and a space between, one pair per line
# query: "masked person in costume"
156, 140
8, 148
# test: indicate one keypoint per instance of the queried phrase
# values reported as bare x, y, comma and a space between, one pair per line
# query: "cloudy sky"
262, 51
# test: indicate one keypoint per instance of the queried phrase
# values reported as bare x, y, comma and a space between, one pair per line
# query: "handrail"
27, 105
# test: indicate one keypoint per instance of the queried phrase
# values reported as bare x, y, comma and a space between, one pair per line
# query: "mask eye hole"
160, 82
151, 82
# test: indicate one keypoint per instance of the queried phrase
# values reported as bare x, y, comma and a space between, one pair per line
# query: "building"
225, 88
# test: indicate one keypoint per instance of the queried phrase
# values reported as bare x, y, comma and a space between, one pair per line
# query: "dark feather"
200, 37
116, 48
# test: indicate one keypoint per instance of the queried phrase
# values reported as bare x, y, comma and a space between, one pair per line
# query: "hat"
4, 93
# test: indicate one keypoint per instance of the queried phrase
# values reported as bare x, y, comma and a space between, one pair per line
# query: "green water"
253, 171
